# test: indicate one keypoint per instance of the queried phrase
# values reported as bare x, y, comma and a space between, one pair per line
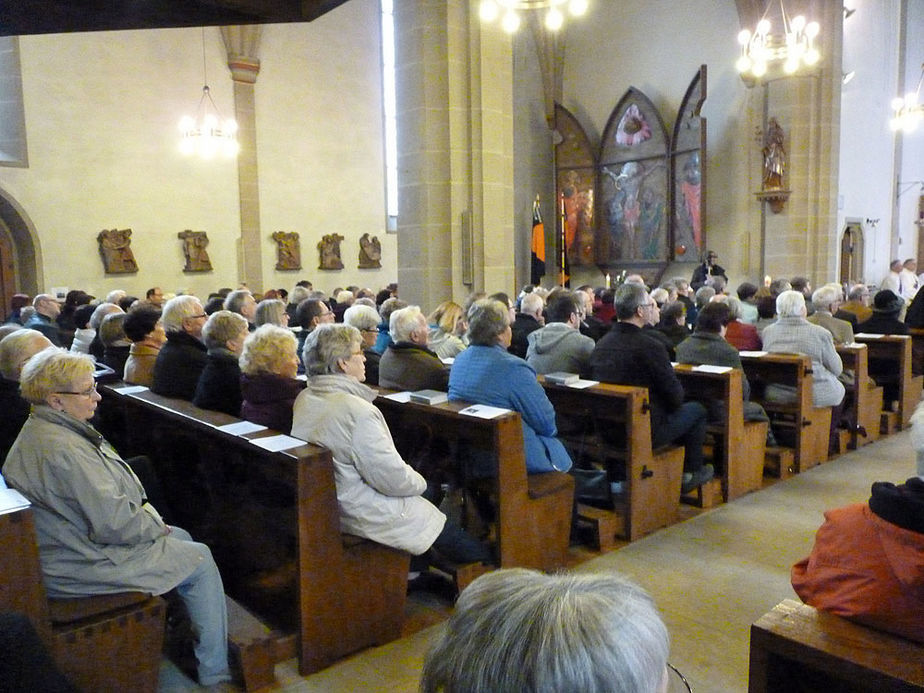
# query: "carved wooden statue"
329, 245
194, 244
288, 251
774, 156
370, 252
115, 248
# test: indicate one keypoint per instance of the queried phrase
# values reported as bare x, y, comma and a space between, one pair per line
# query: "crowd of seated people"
243, 355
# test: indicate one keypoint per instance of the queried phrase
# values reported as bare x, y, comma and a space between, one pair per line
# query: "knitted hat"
901, 505
886, 301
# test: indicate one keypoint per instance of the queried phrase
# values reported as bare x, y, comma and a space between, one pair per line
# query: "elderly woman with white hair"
366, 319
793, 334
219, 387
486, 373
96, 532
181, 360
269, 386
522, 630
379, 494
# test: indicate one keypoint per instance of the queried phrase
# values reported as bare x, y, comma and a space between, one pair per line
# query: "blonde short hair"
446, 316
267, 350
221, 327
52, 370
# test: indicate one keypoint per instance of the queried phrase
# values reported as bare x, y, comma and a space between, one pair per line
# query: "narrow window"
389, 108
12, 118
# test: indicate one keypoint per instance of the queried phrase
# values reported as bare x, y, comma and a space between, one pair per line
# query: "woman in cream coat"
379, 494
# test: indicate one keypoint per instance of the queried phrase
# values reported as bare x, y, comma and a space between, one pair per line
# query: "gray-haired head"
405, 324
825, 297
628, 299
487, 320
790, 304
327, 345
362, 317
221, 327
271, 311
19, 347
522, 630
178, 309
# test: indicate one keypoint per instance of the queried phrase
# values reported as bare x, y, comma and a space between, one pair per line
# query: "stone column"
455, 152
242, 44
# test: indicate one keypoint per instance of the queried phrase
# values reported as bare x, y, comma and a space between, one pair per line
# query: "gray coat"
558, 347
796, 335
96, 533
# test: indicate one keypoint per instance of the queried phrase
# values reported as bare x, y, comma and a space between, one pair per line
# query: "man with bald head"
47, 309
15, 350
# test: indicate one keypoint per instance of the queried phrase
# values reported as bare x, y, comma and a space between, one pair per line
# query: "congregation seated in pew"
486, 373
97, 533
181, 360
145, 329
219, 386
408, 363
15, 350
269, 386
559, 345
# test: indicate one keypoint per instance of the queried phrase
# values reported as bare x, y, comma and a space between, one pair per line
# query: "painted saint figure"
774, 156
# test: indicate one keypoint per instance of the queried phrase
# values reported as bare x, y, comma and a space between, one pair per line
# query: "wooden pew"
272, 522
917, 350
741, 444
810, 425
533, 523
892, 354
796, 644
865, 397
101, 643
619, 436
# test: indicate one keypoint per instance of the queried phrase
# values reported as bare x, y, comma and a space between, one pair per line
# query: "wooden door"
851, 268
7, 272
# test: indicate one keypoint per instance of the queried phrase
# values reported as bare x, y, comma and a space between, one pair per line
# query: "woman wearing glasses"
97, 533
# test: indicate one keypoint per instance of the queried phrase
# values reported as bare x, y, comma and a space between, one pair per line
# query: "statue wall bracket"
776, 198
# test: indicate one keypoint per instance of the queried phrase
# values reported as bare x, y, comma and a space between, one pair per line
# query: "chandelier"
490, 10
207, 134
795, 48
908, 112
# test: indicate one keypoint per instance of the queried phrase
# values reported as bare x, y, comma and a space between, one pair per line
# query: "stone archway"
20, 253
851, 269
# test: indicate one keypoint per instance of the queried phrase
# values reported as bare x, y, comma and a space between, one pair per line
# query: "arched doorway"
20, 255
851, 270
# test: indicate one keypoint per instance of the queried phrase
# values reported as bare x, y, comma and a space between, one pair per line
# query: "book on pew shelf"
429, 397
12, 500
562, 378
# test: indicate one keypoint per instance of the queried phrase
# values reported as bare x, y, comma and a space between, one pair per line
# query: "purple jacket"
268, 399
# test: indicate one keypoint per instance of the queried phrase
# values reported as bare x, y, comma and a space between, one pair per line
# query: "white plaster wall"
871, 49
657, 46
102, 112
321, 144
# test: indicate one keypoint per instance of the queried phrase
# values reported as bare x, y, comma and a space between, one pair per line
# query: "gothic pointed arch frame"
688, 173
575, 190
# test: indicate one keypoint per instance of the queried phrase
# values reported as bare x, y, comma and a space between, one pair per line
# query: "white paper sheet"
448, 360
754, 354
240, 428
483, 411
277, 443
583, 384
706, 368
11, 500
130, 389
867, 335
403, 397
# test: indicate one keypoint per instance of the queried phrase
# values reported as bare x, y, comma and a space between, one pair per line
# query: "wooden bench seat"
610, 426
272, 522
809, 426
100, 643
796, 644
533, 523
864, 396
740, 450
890, 363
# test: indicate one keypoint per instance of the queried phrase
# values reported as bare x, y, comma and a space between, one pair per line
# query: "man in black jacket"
182, 358
626, 355
706, 270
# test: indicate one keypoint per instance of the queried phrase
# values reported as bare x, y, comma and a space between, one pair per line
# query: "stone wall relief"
288, 250
115, 249
370, 252
329, 249
197, 257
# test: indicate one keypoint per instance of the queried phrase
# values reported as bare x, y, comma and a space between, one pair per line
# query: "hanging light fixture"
794, 49
908, 112
207, 134
490, 10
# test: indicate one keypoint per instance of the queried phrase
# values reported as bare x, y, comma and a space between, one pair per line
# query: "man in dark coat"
527, 321
15, 350
626, 355
707, 269
408, 364
47, 309
181, 360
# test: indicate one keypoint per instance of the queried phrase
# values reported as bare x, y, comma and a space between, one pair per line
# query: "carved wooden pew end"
888, 422
706, 496
780, 462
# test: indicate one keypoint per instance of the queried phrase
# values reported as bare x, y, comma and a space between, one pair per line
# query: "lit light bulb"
798, 23
554, 19
763, 27
790, 66
811, 57
743, 64
759, 69
811, 29
744, 36
577, 7
488, 10
511, 22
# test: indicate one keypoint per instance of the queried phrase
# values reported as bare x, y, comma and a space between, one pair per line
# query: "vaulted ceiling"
60, 16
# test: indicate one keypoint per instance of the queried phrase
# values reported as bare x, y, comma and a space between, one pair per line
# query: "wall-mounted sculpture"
197, 257
329, 247
774, 168
288, 251
370, 252
115, 249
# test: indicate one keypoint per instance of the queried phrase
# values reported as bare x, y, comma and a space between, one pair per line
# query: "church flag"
564, 267
537, 254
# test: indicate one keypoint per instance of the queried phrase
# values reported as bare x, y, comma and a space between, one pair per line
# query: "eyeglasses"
196, 317
674, 684
89, 392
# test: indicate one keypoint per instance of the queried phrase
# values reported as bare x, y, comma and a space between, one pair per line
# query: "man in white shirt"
908, 280
892, 280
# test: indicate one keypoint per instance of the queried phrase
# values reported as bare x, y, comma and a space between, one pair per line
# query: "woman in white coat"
380, 495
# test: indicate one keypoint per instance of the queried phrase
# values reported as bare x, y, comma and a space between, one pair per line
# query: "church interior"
89, 105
